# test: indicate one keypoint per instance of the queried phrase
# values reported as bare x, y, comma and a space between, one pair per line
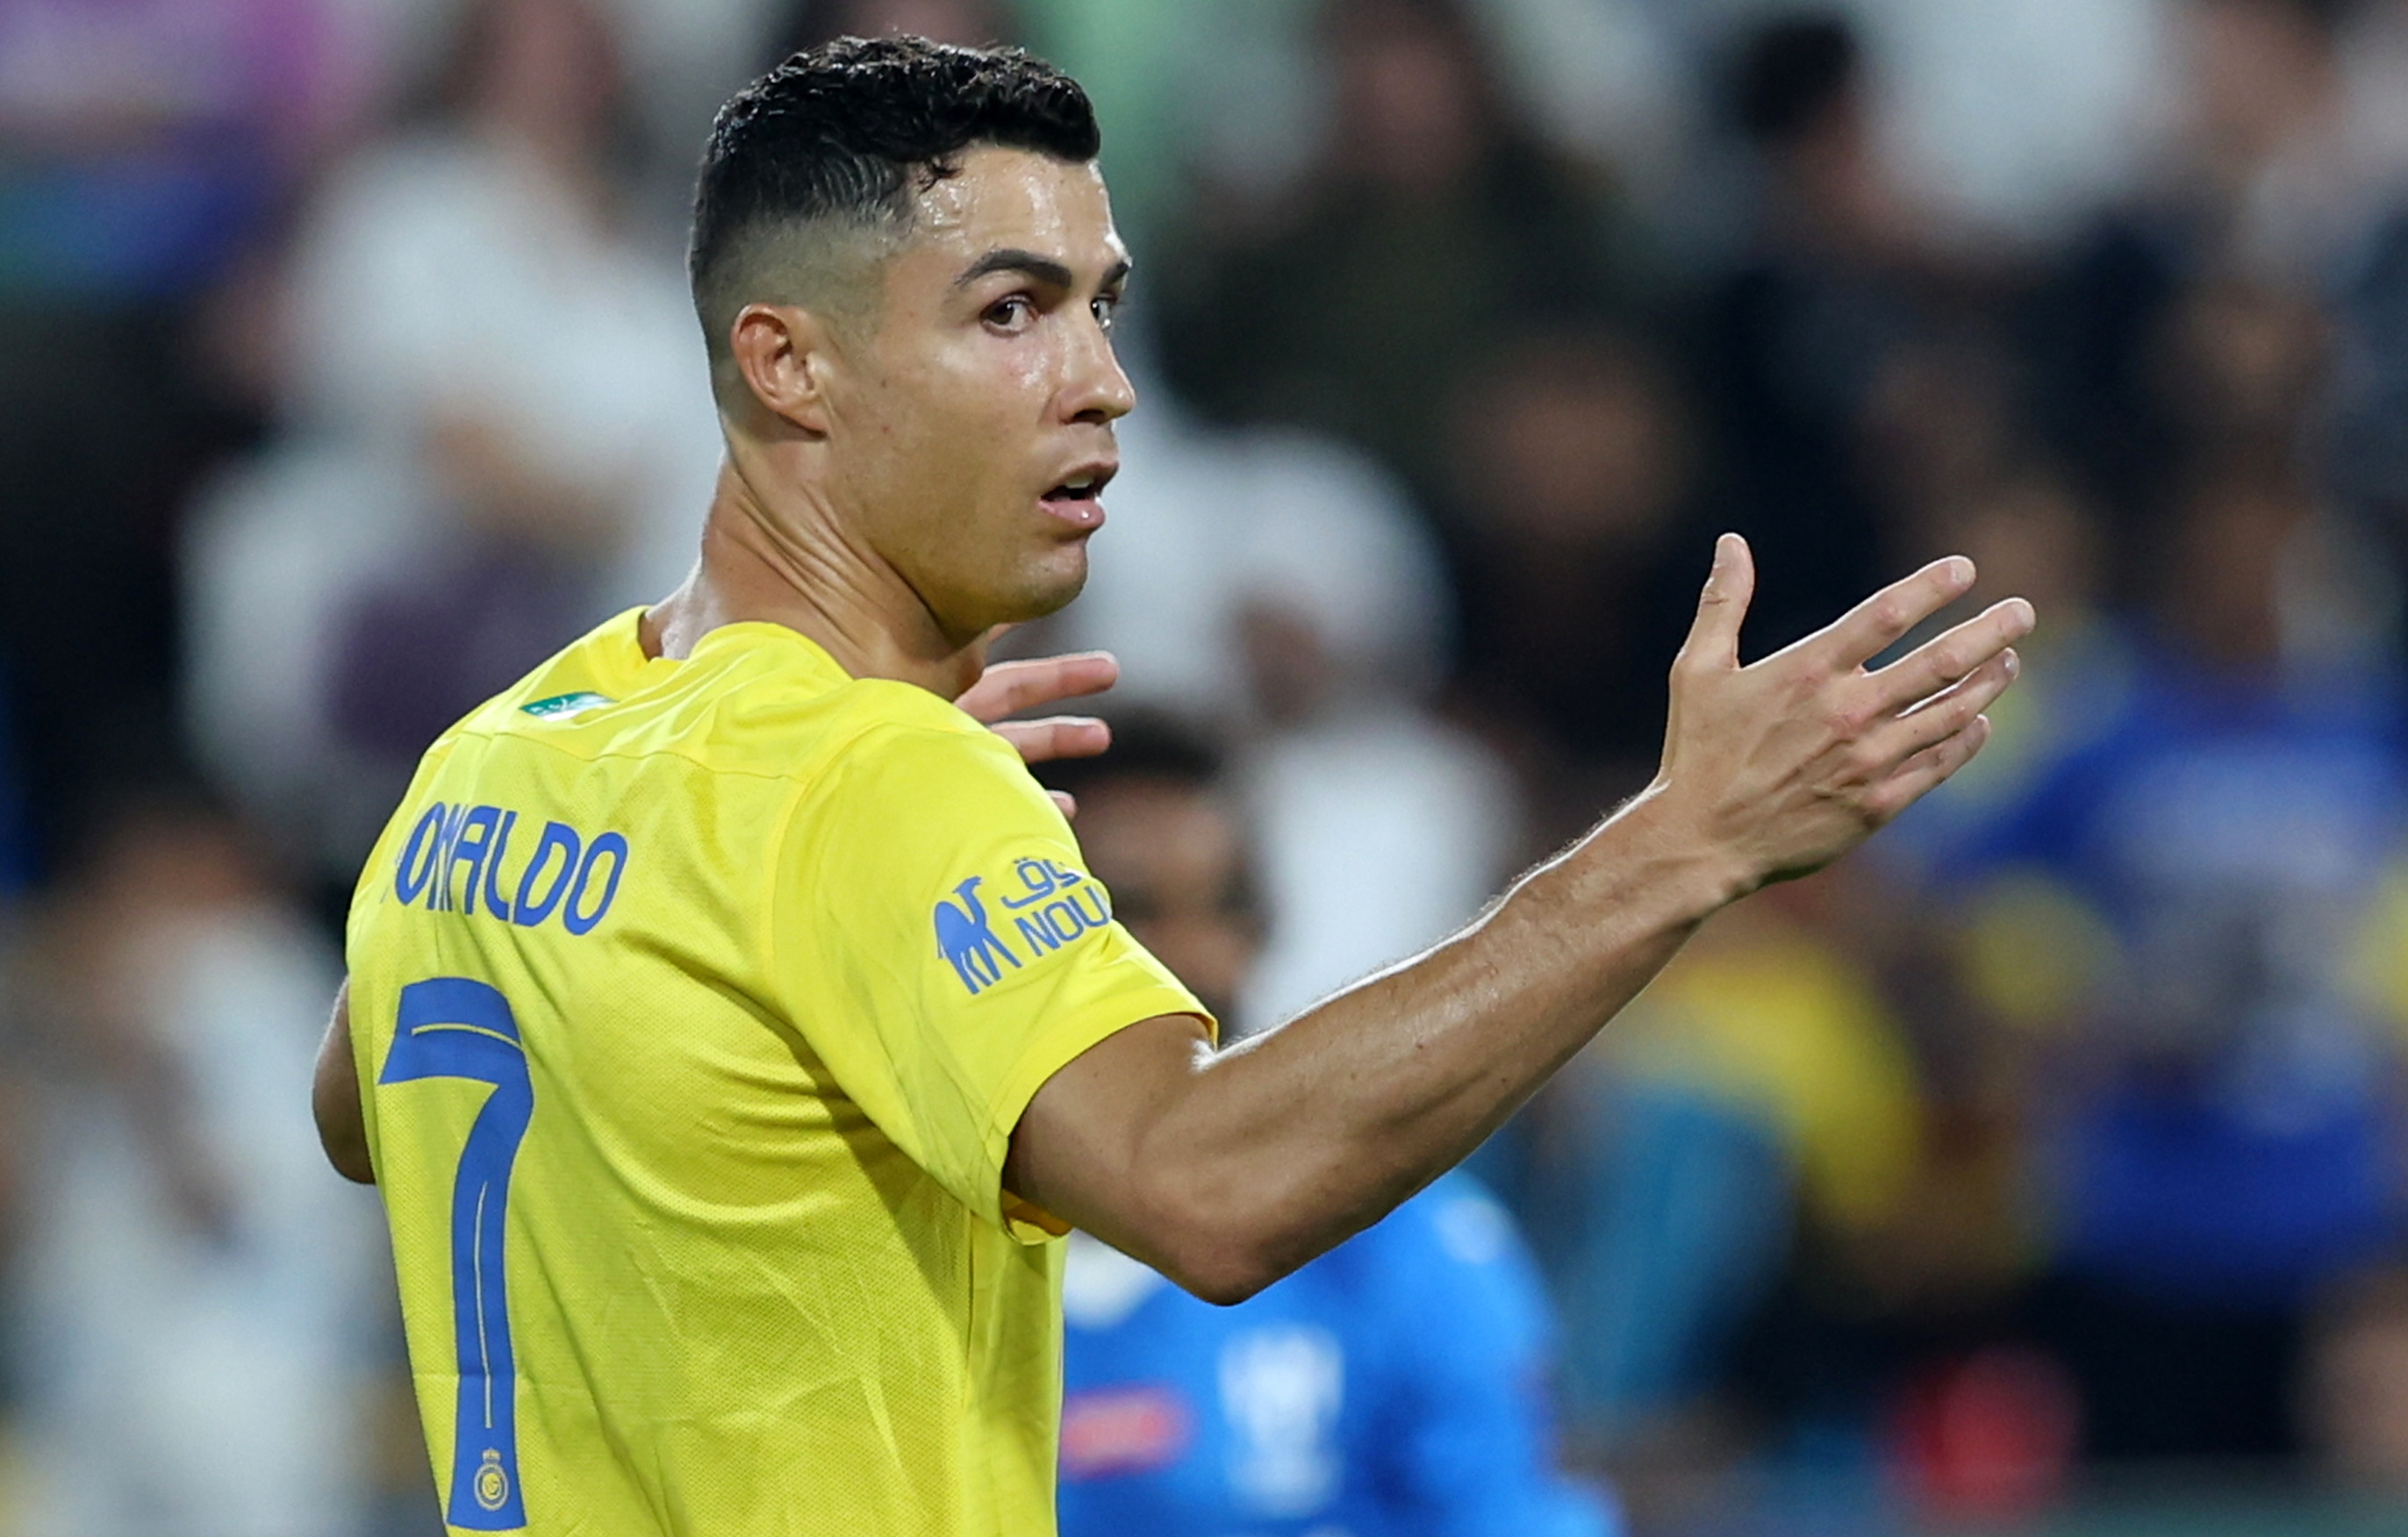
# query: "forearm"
1285, 1144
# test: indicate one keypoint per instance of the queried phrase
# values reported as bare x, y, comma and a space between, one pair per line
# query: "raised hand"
1790, 762
1008, 687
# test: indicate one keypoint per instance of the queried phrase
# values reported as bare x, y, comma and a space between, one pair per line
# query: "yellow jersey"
693, 1004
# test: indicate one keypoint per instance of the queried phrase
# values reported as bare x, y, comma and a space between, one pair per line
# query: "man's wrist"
1656, 841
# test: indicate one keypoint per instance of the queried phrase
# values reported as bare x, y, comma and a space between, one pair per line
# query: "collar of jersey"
636, 669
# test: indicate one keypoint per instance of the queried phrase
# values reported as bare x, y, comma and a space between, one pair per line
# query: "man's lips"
1077, 498
1083, 513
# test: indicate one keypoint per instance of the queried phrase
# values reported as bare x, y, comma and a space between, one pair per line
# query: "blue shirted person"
2233, 1141
2218, 858
1394, 1386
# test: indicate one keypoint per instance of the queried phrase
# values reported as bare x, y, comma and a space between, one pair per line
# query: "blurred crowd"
347, 370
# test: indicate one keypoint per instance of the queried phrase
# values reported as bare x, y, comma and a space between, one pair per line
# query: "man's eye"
1105, 309
1010, 313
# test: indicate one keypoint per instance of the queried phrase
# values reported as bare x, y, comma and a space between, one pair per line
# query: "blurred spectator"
194, 1297
1605, 77
1435, 221
2015, 119
2283, 194
2029, 534
500, 433
2219, 1141
2270, 168
1391, 1385
146, 147
1382, 827
1836, 286
1162, 830
1578, 556
1394, 1384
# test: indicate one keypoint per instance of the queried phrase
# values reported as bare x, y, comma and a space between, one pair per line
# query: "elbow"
334, 1098
341, 1135
1223, 1280
1222, 1251
354, 1166
348, 1156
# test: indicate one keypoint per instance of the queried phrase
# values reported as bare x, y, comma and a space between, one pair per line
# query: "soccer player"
737, 1024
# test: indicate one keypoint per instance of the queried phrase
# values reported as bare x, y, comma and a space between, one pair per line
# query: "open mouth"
1074, 501
1083, 487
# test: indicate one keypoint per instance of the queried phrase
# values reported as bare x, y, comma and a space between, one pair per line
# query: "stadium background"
2040, 1169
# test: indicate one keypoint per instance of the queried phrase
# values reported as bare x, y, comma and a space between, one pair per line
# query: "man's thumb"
1722, 607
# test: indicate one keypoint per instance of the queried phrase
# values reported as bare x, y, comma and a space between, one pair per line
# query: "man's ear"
785, 355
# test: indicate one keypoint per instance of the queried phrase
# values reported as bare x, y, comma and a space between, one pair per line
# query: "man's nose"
1098, 389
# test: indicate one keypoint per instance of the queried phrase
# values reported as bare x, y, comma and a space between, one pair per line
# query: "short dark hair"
851, 131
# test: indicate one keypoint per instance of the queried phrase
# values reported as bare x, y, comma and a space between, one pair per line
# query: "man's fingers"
1062, 798
1946, 713
1874, 625
1722, 607
1055, 736
1008, 687
1920, 774
1942, 660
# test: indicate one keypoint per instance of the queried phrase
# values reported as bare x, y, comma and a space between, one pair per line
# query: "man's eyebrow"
1044, 270
1011, 259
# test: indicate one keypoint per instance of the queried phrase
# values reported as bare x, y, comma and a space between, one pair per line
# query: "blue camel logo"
964, 938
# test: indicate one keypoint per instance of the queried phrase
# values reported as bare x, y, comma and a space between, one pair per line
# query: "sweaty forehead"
1021, 200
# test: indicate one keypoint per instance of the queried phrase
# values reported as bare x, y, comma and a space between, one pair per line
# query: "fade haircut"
820, 162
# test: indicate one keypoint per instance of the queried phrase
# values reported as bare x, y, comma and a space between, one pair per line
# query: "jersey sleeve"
937, 939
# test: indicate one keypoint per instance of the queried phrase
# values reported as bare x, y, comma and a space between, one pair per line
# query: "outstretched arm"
1227, 1169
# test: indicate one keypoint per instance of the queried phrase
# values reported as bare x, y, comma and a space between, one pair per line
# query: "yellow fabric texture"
759, 1274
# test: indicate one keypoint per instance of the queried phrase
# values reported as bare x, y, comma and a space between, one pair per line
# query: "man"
741, 1022
1329, 1401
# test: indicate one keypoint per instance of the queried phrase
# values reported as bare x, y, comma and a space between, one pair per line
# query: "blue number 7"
455, 1027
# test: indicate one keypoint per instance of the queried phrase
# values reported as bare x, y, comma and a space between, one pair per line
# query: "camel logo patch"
1054, 904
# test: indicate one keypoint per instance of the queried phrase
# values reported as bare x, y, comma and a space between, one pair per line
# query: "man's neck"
800, 571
